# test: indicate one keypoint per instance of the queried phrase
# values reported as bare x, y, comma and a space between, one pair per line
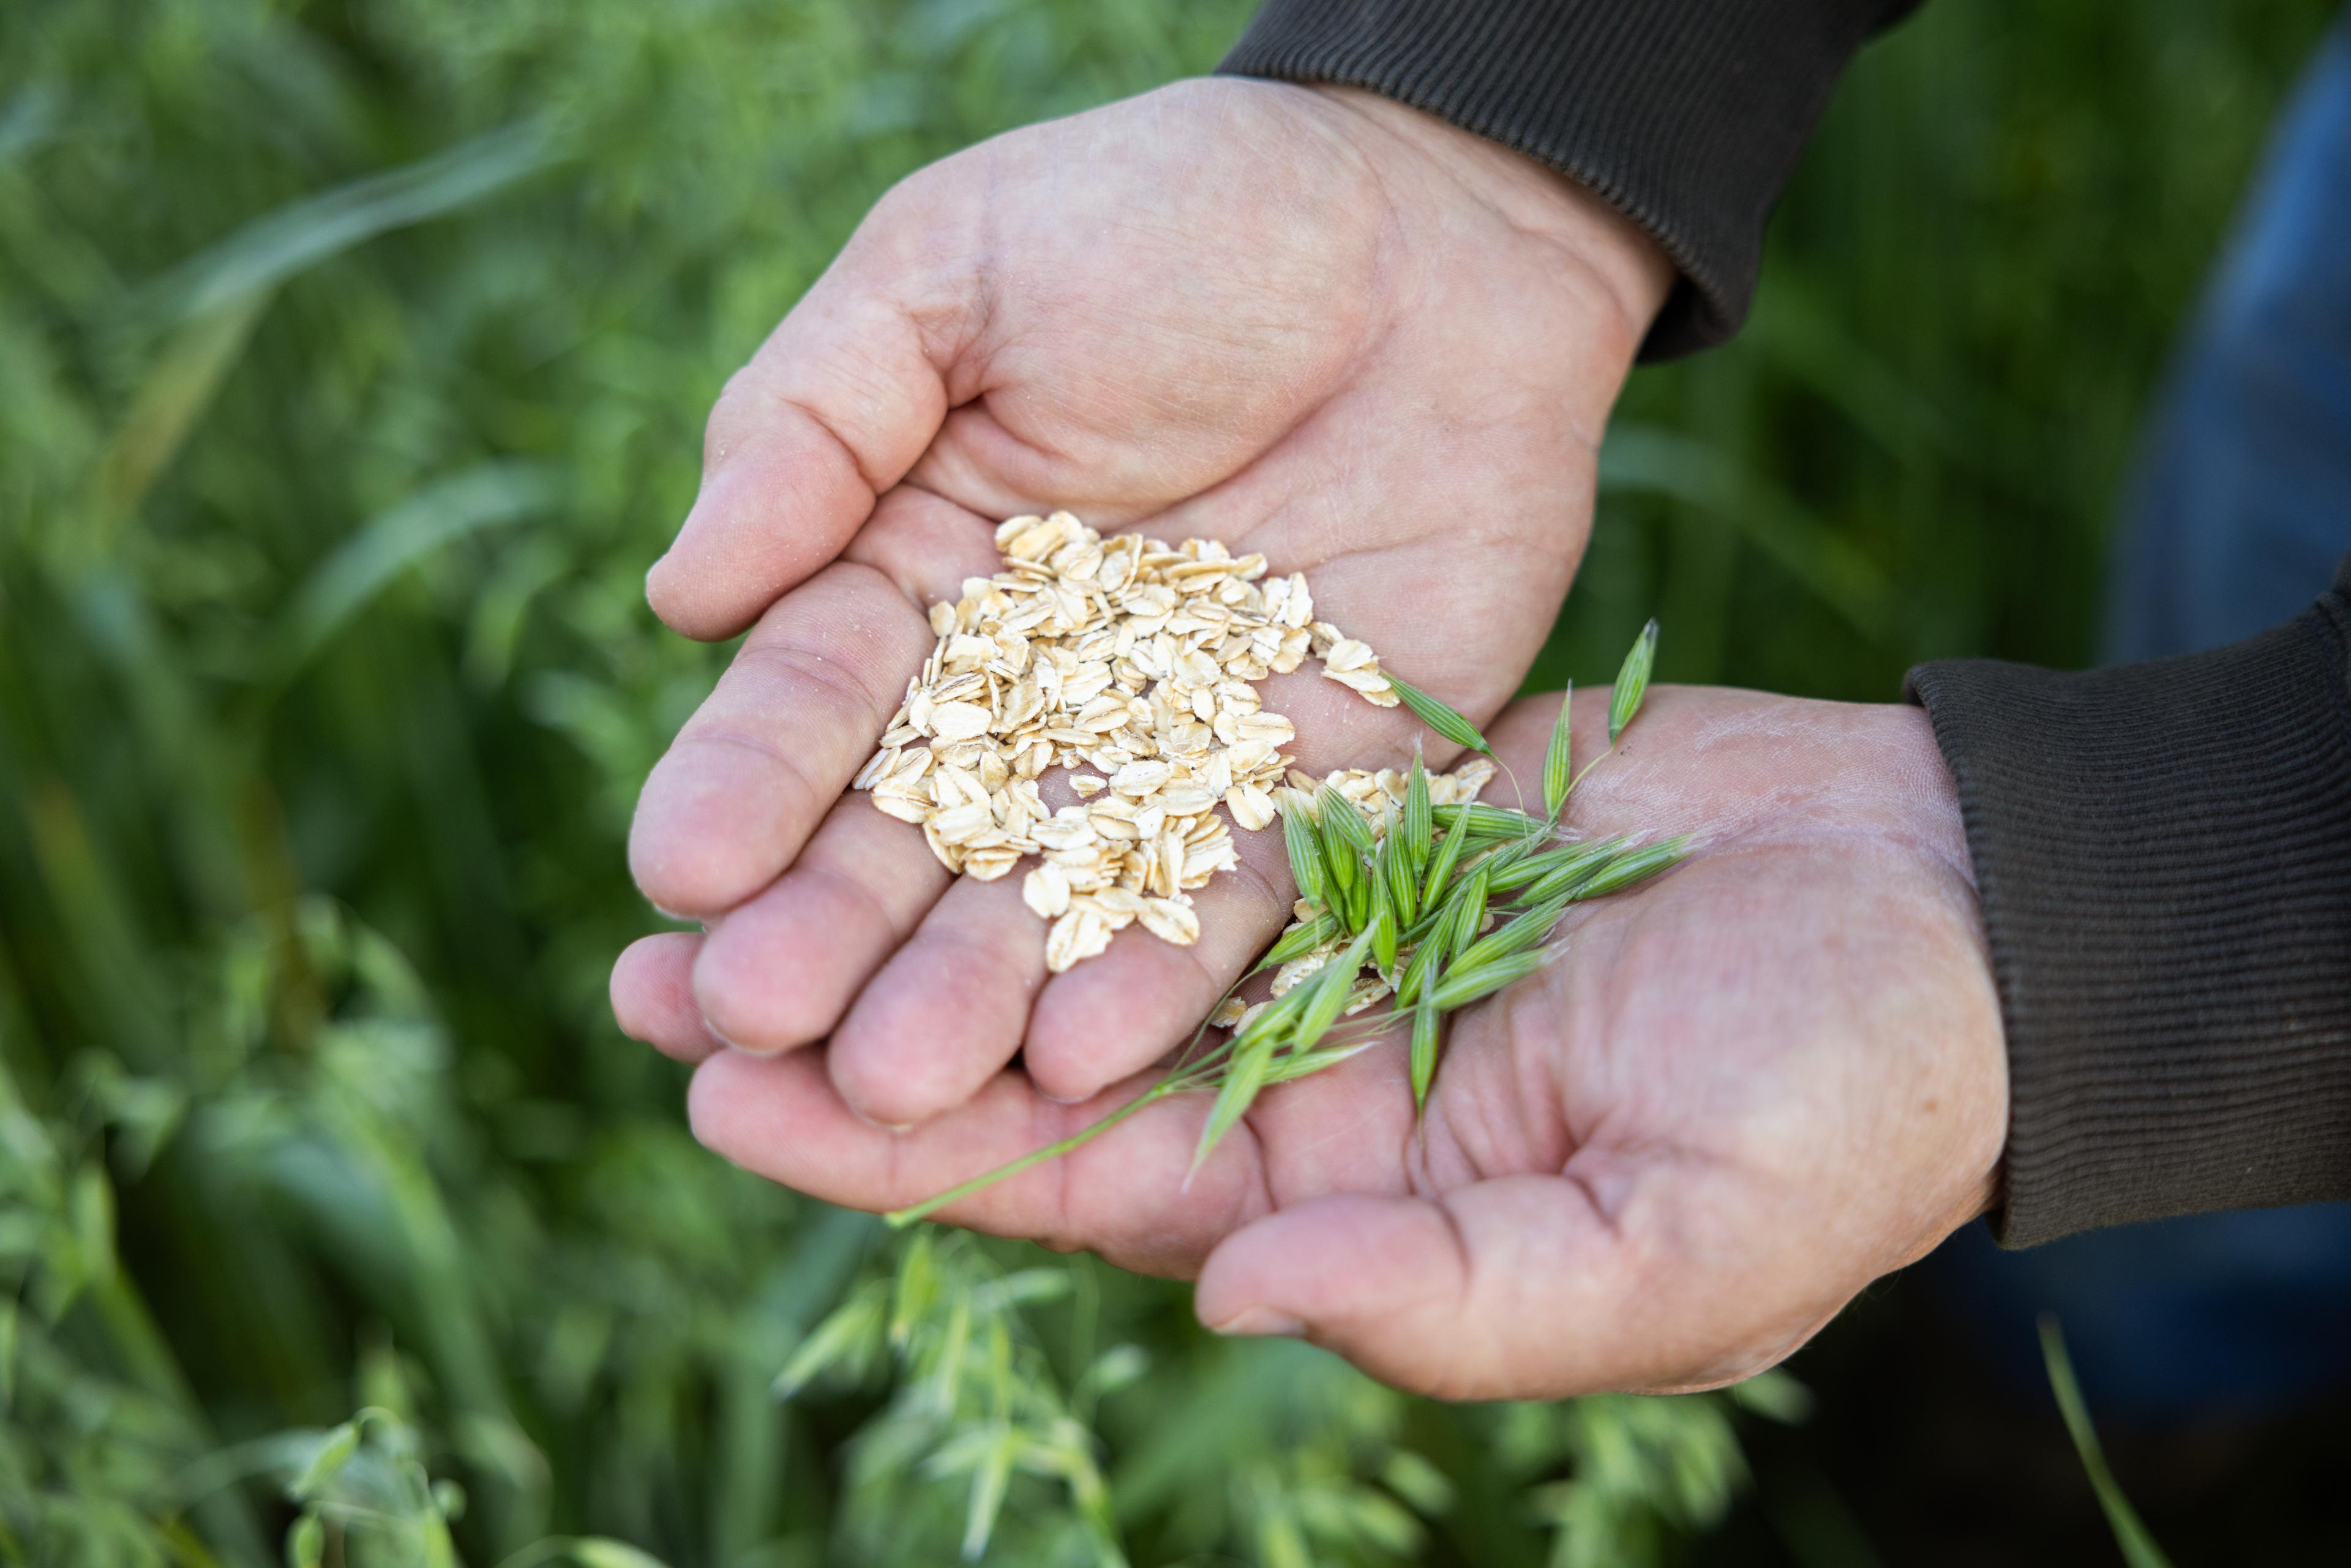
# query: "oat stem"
899, 1219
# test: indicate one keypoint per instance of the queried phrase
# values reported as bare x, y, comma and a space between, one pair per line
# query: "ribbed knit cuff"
2164, 856
1686, 116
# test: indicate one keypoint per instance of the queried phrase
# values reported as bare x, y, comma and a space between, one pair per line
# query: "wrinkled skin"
1320, 326
1741, 1093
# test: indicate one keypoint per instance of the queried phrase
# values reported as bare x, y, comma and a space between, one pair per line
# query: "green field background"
352, 365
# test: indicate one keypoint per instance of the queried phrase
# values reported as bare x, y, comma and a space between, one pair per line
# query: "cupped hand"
1310, 323
1742, 1092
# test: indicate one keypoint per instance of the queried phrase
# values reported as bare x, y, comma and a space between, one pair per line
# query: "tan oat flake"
1137, 661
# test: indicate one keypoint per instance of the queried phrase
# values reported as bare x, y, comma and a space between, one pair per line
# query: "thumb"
1518, 1287
834, 408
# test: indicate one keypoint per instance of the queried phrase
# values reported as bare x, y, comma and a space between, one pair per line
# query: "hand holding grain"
1312, 325
1743, 1092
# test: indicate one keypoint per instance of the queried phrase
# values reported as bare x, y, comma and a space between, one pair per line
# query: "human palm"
1309, 323
1743, 1090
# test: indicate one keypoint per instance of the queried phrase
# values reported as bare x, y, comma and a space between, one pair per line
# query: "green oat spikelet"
1528, 927
1445, 720
1632, 681
1415, 825
1486, 823
1384, 926
1557, 759
1424, 1053
1427, 955
1468, 914
1395, 871
1635, 866
1328, 991
1440, 874
1299, 940
1304, 845
1457, 991
1250, 1063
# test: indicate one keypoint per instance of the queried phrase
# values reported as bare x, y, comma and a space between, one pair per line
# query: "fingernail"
1263, 1322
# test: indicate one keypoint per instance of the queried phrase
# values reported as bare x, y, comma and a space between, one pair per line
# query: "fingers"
1119, 1013
947, 1010
653, 996
761, 762
780, 971
1124, 1195
831, 412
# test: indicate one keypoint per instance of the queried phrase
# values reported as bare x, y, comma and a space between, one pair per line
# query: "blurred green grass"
352, 362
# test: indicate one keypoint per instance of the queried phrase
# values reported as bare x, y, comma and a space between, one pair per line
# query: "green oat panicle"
1410, 902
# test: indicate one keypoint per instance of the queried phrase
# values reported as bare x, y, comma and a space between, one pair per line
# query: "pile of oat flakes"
1134, 659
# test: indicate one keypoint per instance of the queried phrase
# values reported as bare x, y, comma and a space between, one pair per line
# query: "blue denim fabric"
2243, 503
2240, 509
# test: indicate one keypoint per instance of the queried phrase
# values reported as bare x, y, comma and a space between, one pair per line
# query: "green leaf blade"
2131, 1533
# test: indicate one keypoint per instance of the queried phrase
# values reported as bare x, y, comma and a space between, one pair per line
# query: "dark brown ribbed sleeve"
1686, 115
2164, 855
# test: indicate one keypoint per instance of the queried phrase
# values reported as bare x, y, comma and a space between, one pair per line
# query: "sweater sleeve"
2164, 856
1686, 115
